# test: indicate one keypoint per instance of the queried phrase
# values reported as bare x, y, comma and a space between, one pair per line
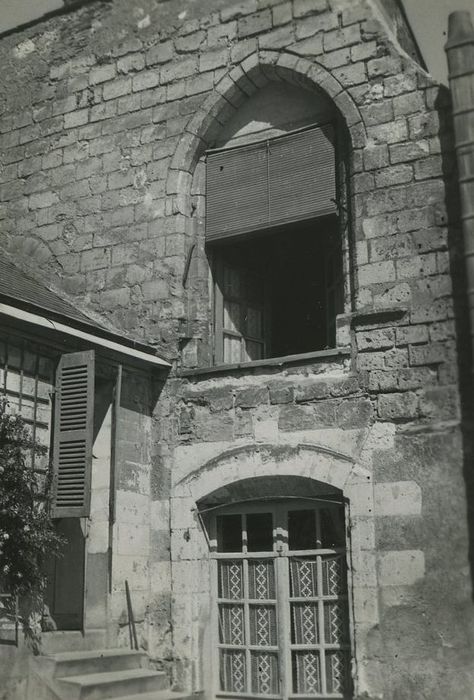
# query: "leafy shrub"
27, 536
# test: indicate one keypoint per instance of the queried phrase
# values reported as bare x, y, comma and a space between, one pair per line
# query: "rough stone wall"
101, 182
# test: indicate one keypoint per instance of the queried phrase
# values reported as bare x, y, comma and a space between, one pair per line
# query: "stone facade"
102, 189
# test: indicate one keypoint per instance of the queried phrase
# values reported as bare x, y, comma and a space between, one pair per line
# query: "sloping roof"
17, 285
25, 298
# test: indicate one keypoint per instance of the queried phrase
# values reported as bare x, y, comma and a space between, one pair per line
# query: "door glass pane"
333, 575
332, 527
231, 624
335, 622
229, 533
232, 671
337, 672
263, 628
301, 529
261, 579
259, 532
303, 578
306, 672
231, 580
304, 623
264, 669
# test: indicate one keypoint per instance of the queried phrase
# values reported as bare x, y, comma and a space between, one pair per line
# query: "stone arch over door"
307, 462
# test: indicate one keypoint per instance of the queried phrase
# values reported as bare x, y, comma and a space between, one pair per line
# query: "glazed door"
281, 602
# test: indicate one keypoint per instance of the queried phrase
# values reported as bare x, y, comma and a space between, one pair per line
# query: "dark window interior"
259, 532
280, 291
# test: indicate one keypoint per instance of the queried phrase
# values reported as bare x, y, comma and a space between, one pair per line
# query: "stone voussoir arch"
243, 80
308, 460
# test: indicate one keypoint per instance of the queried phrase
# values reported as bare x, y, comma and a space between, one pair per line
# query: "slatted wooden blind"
73, 435
270, 183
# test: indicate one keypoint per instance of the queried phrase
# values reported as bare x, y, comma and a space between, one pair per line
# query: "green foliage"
27, 535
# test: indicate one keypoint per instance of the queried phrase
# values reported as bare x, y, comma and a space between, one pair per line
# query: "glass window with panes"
281, 600
273, 234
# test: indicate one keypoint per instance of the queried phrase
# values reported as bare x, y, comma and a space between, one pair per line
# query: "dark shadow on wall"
443, 107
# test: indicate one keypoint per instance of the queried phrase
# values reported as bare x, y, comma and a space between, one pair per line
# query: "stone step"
59, 641
112, 684
77, 663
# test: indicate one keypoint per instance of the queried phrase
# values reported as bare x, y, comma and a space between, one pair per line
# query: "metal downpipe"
460, 54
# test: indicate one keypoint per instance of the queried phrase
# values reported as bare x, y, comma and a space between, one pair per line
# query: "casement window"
281, 606
274, 237
27, 384
57, 405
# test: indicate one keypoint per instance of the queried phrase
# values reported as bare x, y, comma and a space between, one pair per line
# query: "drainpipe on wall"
460, 54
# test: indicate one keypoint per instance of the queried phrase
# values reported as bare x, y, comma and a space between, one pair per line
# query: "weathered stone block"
398, 498
440, 403
375, 273
311, 391
251, 397
161, 53
403, 568
354, 413
102, 73
280, 393
254, 24
378, 339
178, 70
397, 406
406, 335
432, 353
301, 8
376, 156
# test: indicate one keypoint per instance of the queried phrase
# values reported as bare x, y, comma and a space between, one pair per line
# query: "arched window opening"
281, 610
274, 227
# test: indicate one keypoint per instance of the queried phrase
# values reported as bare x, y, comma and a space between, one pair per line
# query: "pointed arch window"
274, 234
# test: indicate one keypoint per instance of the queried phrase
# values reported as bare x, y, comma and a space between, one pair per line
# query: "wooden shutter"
268, 184
73, 428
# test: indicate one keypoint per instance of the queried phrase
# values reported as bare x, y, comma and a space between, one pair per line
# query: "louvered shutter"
268, 184
73, 427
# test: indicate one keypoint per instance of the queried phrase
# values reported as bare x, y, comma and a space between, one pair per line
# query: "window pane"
231, 282
301, 529
231, 580
306, 672
263, 625
232, 671
253, 351
229, 533
231, 316
261, 579
264, 670
254, 322
332, 527
231, 349
259, 532
231, 624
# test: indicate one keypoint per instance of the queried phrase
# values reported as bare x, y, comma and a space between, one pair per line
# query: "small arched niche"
275, 225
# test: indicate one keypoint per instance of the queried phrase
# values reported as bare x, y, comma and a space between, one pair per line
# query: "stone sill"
270, 362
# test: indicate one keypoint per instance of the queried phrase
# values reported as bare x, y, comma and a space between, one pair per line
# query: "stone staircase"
116, 674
